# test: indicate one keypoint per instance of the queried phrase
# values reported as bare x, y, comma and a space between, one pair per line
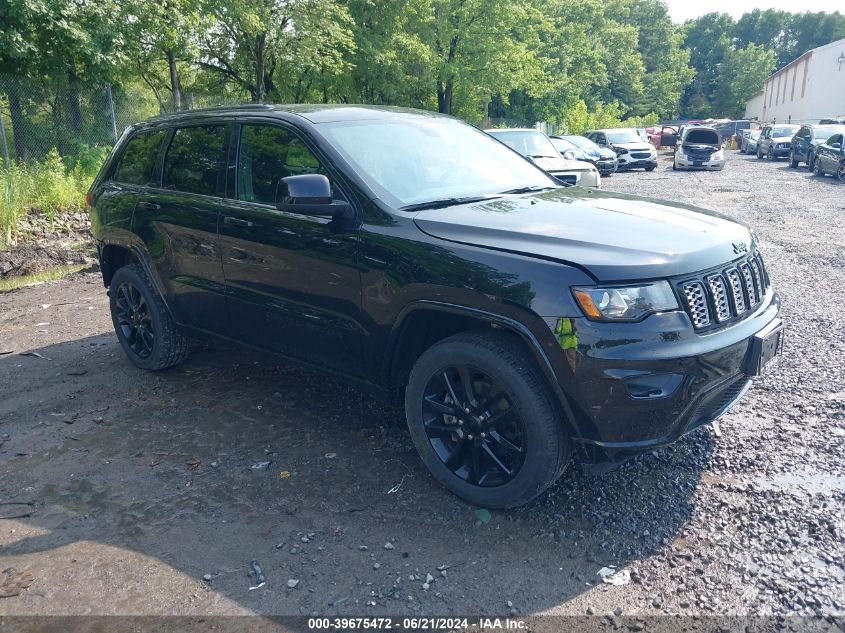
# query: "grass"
50, 185
51, 274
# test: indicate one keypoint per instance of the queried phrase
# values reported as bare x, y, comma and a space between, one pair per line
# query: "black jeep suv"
524, 323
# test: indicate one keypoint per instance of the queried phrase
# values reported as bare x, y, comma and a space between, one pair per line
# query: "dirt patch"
44, 244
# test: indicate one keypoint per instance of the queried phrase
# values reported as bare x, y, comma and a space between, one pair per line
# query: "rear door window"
139, 158
196, 160
266, 155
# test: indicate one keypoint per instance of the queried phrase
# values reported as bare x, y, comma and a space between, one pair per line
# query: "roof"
512, 129
315, 113
804, 56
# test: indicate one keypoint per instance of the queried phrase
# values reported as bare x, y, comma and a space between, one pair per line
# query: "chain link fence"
74, 119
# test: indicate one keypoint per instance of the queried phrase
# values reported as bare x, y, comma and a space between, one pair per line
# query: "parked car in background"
536, 146
807, 139
776, 141
603, 158
567, 149
665, 136
835, 121
522, 324
732, 129
748, 141
643, 134
830, 157
700, 148
631, 151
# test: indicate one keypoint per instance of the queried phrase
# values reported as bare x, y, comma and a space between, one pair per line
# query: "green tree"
251, 39
709, 40
162, 33
740, 76
472, 49
667, 70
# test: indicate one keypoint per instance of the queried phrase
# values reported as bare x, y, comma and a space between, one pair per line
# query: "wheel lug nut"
466, 410
483, 434
460, 422
469, 437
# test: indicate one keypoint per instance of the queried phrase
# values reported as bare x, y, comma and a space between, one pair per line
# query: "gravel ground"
151, 492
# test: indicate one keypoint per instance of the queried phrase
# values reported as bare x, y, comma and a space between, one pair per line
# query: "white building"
808, 89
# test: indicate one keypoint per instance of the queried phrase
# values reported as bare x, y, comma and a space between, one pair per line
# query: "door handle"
231, 221
149, 206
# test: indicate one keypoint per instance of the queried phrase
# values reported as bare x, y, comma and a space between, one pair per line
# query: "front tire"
792, 162
759, 154
483, 420
819, 169
840, 173
143, 325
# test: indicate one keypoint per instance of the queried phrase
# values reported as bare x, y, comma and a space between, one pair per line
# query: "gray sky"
682, 10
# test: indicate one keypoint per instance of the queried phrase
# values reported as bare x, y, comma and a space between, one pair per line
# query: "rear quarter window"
139, 158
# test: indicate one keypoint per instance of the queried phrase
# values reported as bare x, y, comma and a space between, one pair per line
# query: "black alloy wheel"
840, 173
473, 427
142, 322
484, 421
134, 319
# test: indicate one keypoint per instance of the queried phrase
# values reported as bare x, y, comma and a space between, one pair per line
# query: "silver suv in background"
776, 141
631, 150
699, 148
537, 147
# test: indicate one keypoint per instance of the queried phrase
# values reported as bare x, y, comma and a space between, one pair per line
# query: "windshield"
583, 143
527, 142
414, 159
826, 131
788, 130
561, 144
623, 136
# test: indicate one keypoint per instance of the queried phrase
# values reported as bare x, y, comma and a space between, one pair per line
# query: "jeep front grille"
718, 296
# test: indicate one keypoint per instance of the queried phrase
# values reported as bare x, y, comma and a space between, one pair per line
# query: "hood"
613, 236
639, 146
556, 164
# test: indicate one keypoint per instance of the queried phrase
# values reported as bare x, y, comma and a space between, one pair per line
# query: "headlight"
720, 155
621, 151
630, 303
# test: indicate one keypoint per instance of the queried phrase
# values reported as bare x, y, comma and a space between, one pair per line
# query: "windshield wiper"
541, 156
530, 189
445, 202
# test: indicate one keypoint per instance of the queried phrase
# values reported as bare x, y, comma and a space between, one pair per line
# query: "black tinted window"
195, 161
267, 154
139, 158
836, 138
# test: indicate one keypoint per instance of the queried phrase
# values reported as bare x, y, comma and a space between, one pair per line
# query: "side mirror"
308, 194
569, 154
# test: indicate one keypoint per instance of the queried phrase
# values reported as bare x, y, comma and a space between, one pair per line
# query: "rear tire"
144, 327
483, 420
649, 168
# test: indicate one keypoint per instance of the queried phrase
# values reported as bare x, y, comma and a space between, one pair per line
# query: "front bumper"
581, 178
626, 161
639, 386
683, 162
780, 152
606, 165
